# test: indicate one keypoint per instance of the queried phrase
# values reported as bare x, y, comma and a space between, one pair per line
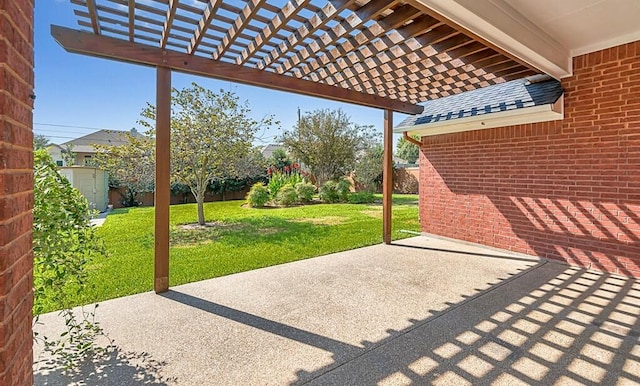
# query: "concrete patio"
421, 311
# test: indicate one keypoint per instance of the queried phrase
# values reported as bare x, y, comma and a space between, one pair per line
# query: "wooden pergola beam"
387, 176
93, 15
328, 12
279, 21
168, 22
117, 49
243, 19
132, 19
162, 197
203, 25
370, 11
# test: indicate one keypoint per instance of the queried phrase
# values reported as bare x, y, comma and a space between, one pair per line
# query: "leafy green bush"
329, 192
343, 188
279, 179
361, 198
258, 195
287, 195
305, 191
64, 242
276, 181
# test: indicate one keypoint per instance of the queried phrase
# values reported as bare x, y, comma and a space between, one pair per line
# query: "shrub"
329, 192
258, 195
287, 195
343, 188
64, 243
276, 181
305, 191
361, 198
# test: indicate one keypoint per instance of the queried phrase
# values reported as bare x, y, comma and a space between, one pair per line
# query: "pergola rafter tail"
117, 49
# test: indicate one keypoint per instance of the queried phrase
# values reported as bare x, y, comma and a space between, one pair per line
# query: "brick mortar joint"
10, 146
5, 66
12, 97
17, 217
19, 124
15, 26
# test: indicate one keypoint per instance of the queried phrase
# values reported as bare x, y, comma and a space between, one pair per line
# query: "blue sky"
89, 93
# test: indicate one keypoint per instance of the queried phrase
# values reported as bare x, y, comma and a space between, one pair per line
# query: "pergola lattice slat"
329, 11
119, 49
203, 25
279, 21
398, 50
242, 21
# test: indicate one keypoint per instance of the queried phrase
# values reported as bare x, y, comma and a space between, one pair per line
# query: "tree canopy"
130, 165
407, 150
210, 132
368, 171
327, 142
40, 141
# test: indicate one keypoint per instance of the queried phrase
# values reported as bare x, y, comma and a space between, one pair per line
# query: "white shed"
91, 182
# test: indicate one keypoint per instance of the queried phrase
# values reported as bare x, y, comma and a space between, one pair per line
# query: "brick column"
16, 191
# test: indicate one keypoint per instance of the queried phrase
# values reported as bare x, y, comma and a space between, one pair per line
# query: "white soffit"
584, 26
499, 24
547, 34
542, 113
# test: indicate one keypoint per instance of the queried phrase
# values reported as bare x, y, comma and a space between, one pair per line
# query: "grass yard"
241, 239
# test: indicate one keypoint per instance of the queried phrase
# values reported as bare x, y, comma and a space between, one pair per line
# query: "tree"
208, 132
279, 159
250, 165
407, 150
64, 242
130, 165
40, 141
368, 170
327, 142
68, 155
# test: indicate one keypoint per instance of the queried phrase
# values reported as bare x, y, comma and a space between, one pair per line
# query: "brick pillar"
16, 191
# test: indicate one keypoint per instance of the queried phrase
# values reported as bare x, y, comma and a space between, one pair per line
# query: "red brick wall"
16, 195
566, 190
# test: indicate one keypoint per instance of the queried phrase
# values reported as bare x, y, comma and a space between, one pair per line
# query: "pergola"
385, 54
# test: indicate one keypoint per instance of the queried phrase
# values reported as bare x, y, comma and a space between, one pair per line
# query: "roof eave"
542, 113
501, 25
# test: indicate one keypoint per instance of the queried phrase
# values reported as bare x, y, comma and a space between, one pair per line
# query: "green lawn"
243, 239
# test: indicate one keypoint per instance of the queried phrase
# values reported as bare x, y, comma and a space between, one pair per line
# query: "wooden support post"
387, 176
162, 194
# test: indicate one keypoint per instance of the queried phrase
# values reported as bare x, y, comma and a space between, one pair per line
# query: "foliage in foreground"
243, 239
64, 243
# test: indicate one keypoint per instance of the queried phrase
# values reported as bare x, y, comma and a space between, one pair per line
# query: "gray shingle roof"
516, 94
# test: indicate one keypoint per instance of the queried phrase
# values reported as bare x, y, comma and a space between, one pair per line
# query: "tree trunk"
200, 201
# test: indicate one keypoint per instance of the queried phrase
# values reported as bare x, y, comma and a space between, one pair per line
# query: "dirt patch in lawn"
190, 235
327, 220
207, 225
375, 213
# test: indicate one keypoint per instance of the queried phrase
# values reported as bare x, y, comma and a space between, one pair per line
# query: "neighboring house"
92, 182
268, 150
84, 148
56, 152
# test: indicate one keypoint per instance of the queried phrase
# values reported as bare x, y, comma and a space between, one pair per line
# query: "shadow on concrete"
459, 252
114, 367
552, 324
340, 350
548, 324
